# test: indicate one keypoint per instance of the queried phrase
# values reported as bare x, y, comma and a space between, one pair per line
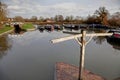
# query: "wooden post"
82, 55
82, 43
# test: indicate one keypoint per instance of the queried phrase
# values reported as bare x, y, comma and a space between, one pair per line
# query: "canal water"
31, 56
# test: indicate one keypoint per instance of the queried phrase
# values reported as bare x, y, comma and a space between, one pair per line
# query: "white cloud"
15, 1
50, 10
29, 8
15, 7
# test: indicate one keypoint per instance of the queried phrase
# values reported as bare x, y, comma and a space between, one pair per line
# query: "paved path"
69, 72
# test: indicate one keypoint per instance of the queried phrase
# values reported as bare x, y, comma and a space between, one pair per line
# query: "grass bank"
28, 26
5, 29
25, 26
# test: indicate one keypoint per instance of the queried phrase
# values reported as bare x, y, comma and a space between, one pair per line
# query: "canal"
31, 56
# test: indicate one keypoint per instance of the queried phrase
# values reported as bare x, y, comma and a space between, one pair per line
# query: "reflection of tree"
117, 78
100, 31
99, 39
4, 45
114, 42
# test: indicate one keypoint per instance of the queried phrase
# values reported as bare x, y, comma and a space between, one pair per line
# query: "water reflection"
49, 28
5, 45
67, 30
35, 56
3, 76
114, 42
99, 39
41, 29
117, 78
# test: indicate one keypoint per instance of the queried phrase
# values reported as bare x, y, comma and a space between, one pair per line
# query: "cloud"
15, 7
50, 10
27, 8
15, 1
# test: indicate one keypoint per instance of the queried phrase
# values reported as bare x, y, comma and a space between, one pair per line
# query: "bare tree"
115, 20
69, 18
102, 14
78, 18
58, 18
41, 18
3, 12
19, 18
34, 18
61, 18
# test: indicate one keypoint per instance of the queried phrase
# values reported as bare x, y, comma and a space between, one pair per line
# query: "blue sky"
50, 8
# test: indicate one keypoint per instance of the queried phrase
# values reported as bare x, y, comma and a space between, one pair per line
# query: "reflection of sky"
104, 58
29, 37
26, 38
33, 55
48, 8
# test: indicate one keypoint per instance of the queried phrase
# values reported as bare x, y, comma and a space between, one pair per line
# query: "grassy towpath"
27, 26
5, 29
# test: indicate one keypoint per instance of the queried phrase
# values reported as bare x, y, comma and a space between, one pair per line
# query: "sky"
50, 8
